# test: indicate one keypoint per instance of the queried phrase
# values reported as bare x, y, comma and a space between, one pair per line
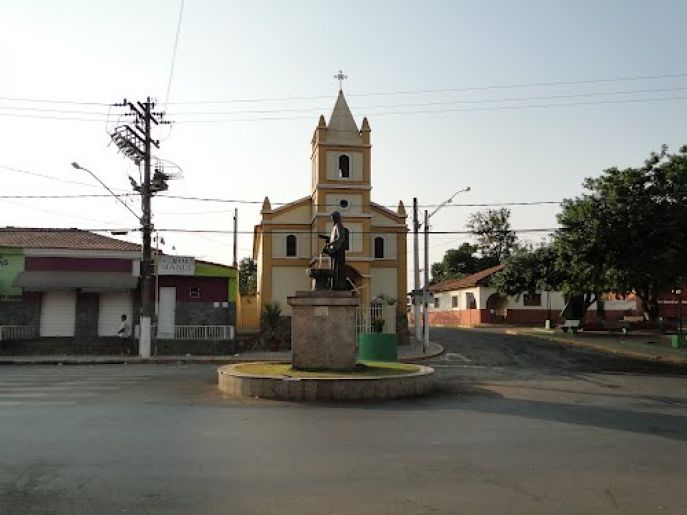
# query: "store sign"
176, 265
11, 265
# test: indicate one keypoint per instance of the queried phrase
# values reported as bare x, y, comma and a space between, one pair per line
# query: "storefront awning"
87, 281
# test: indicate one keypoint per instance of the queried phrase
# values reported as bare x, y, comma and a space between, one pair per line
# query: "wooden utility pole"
236, 232
134, 140
416, 271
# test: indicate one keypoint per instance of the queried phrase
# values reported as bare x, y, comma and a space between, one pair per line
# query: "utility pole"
416, 270
236, 232
425, 289
134, 141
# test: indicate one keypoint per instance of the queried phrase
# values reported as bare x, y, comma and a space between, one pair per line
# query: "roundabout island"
367, 381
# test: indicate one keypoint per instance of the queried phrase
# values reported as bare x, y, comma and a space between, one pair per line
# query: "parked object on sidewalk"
678, 341
377, 347
570, 325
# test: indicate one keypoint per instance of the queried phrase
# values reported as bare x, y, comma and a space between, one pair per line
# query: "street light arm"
447, 201
79, 167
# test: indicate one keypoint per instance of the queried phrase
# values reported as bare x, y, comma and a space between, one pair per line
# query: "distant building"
471, 301
73, 283
286, 239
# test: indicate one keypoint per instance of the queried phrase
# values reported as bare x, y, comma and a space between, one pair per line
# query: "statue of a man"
336, 249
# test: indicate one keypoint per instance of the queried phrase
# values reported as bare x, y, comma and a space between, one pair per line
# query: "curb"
424, 357
173, 360
669, 360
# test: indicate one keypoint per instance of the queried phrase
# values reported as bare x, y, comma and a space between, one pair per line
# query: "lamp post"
425, 289
144, 337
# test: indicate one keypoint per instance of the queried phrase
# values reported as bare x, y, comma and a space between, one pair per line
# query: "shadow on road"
659, 424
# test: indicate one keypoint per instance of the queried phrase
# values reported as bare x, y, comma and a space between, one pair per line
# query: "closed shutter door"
58, 313
112, 307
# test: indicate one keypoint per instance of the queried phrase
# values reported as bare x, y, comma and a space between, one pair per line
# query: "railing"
18, 332
204, 332
377, 318
193, 332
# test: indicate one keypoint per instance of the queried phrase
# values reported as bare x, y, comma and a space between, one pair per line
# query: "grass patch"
362, 369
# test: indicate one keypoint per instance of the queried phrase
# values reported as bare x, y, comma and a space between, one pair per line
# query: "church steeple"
342, 127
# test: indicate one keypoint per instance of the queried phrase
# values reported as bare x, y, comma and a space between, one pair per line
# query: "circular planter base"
349, 387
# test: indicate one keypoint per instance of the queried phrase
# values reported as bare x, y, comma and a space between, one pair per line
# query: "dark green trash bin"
678, 341
377, 347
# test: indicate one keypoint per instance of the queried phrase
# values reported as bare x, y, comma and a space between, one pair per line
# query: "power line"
444, 111
392, 113
446, 102
174, 54
443, 90
44, 176
371, 94
281, 231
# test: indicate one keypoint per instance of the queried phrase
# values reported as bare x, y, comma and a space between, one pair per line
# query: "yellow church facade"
286, 240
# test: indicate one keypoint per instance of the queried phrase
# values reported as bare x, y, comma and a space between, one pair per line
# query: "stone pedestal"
323, 330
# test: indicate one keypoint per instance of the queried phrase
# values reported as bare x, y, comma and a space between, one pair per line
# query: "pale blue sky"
103, 51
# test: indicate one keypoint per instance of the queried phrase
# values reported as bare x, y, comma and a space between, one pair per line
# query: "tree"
495, 238
460, 262
529, 270
248, 276
628, 232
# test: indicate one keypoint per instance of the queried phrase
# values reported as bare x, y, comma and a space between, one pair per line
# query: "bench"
572, 325
616, 325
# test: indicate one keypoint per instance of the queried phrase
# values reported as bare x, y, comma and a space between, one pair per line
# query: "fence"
376, 318
18, 332
193, 332
248, 314
204, 332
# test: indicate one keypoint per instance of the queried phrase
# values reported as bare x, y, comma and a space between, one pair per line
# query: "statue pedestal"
323, 333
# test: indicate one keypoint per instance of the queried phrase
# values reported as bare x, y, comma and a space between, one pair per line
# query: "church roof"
342, 127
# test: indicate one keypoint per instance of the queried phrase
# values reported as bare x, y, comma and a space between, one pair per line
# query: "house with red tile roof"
471, 301
76, 284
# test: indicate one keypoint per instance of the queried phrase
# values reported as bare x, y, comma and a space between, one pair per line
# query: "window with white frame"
454, 301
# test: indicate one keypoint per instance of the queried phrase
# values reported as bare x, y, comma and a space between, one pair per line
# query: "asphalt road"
518, 426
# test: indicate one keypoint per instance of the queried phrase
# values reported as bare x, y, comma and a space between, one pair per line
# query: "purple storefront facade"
52, 292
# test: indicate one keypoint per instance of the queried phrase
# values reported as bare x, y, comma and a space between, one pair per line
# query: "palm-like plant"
269, 321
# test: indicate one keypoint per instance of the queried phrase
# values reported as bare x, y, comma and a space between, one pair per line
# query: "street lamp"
144, 337
425, 289
79, 167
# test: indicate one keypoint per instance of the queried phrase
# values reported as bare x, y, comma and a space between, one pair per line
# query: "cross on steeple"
340, 77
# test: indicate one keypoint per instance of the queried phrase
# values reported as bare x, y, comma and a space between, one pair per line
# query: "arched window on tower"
344, 167
379, 247
291, 249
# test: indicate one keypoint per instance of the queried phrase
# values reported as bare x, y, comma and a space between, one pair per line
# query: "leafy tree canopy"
460, 262
495, 237
248, 276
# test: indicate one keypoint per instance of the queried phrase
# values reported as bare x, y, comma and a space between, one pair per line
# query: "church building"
286, 241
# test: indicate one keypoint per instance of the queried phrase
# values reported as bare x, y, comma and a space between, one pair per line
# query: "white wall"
383, 282
556, 299
445, 299
286, 280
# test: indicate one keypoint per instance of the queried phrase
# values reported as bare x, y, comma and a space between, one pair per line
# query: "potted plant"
376, 345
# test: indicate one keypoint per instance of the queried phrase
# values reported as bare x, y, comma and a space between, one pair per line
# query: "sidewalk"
406, 353
638, 345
